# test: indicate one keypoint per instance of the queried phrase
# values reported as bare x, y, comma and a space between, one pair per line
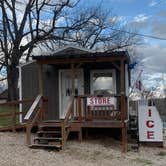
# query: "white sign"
101, 101
150, 124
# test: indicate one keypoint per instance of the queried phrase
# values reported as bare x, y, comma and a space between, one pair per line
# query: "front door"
65, 88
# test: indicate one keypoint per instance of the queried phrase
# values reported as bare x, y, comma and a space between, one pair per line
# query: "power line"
139, 34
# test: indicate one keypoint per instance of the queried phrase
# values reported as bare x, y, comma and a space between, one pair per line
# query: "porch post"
72, 79
72, 86
122, 82
123, 106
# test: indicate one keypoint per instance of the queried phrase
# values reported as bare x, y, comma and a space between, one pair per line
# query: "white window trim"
103, 71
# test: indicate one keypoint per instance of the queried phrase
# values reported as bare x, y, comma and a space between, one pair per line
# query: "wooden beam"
79, 108
78, 66
72, 79
124, 138
122, 78
115, 65
48, 60
123, 106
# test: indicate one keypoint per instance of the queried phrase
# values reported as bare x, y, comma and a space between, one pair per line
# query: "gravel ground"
98, 152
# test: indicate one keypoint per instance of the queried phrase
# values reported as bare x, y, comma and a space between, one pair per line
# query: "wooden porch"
54, 133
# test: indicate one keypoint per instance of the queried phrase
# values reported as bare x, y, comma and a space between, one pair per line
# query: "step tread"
49, 125
45, 146
51, 121
48, 132
48, 138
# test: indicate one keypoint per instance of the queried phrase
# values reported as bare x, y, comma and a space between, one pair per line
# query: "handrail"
69, 108
39, 115
33, 106
11, 103
65, 122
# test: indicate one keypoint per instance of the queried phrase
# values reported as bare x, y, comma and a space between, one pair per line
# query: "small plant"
161, 153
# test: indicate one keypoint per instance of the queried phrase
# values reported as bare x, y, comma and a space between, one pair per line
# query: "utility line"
139, 34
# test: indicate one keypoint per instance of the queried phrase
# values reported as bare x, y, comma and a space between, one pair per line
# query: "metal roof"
82, 55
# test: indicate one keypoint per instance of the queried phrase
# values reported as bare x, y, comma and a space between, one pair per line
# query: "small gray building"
98, 81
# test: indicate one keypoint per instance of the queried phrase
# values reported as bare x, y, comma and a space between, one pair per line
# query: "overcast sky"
149, 17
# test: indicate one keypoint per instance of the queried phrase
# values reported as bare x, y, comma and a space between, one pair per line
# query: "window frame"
111, 71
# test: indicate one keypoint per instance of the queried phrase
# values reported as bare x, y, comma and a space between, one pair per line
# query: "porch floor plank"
102, 124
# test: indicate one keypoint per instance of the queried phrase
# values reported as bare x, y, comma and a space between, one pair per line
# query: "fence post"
79, 108
123, 118
28, 134
63, 133
14, 119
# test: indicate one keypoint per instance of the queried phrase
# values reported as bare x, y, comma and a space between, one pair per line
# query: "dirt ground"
94, 152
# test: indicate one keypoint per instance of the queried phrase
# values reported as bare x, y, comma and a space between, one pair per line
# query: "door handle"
67, 92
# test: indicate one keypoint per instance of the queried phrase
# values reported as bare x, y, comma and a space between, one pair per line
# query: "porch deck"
102, 124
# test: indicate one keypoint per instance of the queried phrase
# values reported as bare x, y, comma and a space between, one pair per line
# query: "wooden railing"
35, 114
84, 112
9, 114
66, 122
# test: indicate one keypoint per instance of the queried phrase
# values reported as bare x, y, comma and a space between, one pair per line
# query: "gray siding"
50, 87
29, 84
51, 90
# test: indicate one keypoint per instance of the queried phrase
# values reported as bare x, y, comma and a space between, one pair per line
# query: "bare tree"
26, 24
103, 31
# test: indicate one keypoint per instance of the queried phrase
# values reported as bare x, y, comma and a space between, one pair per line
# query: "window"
103, 82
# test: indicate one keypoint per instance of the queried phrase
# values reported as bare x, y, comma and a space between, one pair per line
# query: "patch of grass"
7, 120
161, 153
143, 161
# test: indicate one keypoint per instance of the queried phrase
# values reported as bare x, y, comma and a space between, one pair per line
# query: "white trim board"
20, 92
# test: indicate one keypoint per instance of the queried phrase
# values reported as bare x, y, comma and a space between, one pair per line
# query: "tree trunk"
12, 79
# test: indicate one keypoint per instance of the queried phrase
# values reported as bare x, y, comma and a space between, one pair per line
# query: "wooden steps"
49, 135
48, 132
48, 138
45, 146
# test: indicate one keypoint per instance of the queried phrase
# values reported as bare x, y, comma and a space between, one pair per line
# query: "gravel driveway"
98, 152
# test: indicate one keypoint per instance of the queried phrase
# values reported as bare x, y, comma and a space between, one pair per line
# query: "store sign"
150, 124
101, 101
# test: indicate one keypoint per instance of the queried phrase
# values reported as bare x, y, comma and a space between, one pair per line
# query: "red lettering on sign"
104, 101
149, 113
150, 123
108, 101
150, 134
95, 100
91, 100
99, 101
